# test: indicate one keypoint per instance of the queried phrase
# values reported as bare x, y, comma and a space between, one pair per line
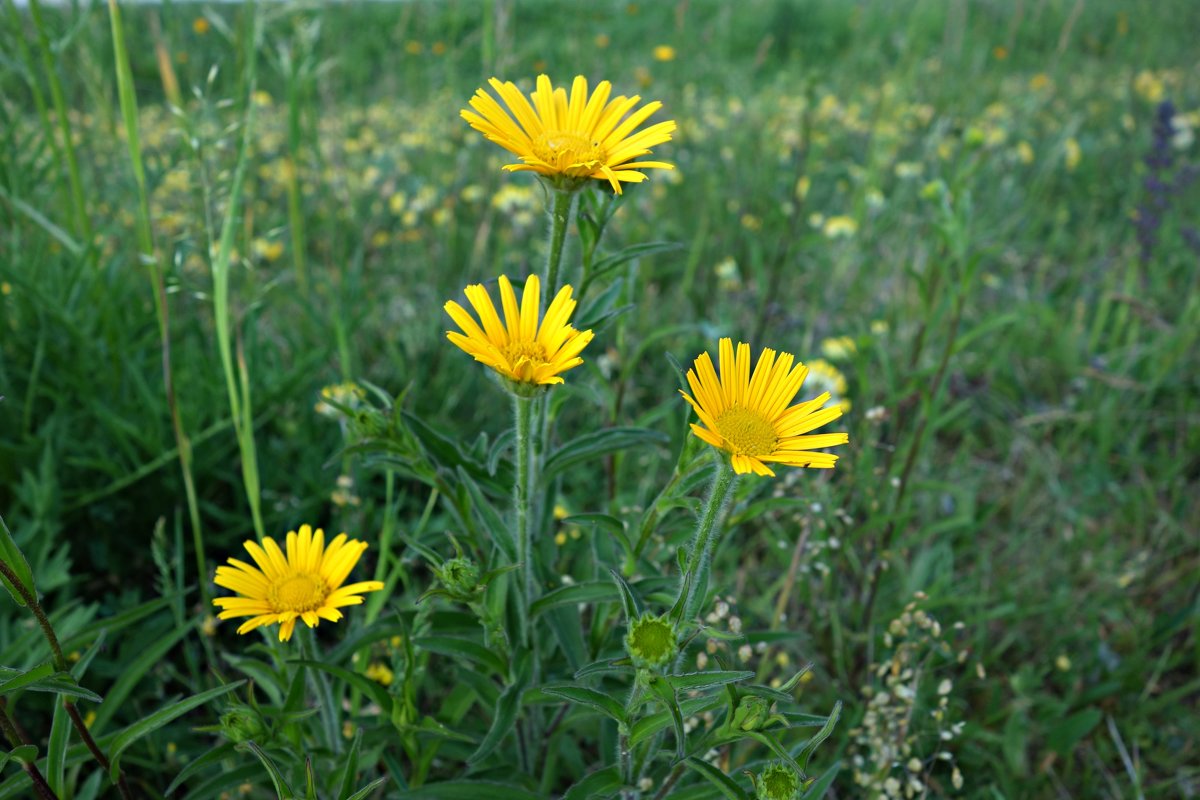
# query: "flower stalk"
60, 664
560, 220
694, 582
523, 506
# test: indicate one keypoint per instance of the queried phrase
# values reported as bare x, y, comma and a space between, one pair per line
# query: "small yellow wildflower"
999, 52
1039, 82
1071, 154
749, 416
5, 288
1149, 86
413, 48
304, 584
380, 673
840, 227
1025, 152
438, 49
839, 347
560, 538
601, 41
262, 98
267, 250
521, 348
201, 26
664, 52
571, 139
802, 187
1063, 663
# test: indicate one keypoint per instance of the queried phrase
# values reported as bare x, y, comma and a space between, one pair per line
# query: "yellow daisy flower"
520, 349
749, 416
305, 584
571, 140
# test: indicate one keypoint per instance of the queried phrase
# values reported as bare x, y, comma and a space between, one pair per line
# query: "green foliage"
996, 583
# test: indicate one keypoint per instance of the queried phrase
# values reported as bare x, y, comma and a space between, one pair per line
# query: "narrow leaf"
590, 698
591, 446
14, 559
707, 680
726, 784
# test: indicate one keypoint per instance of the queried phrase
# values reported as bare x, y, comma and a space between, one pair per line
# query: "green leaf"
133, 672
591, 698
19, 680
456, 647
365, 792
591, 446
775, 747
360, 682
812, 744
611, 262
587, 592
667, 694
601, 782
706, 680
629, 600
25, 754
218, 753
470, 790
282, 790
817, 788
726, 784
622, 664
158, 719
14, 559
504, 719
646, 727
1063, 737
350, 767
36, 680
489, 518
56, 749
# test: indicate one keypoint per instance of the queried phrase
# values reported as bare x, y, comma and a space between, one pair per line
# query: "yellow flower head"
520, 349
570, 140
749, 416
306, 583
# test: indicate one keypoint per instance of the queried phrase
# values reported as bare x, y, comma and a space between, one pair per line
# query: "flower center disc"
300, 592
746, 432
568, 152
519, 354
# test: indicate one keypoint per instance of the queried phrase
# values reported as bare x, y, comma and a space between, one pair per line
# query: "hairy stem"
695, 579
560, 218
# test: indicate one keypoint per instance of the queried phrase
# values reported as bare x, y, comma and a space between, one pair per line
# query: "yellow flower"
840, 227
201, 26
571, 140
749, 416
825, 377
839, 347
601, 41
380, 673
664, 52
520, 349
304, 584
999, 52
1071, 154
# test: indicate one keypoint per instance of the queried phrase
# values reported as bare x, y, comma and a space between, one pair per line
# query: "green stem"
695, 579
320, 685
560, 218
60, 664
145, 234
15, 740
522, 506
83, 224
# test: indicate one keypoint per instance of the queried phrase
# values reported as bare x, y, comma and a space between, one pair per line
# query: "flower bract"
519, 348
303, 583
651, 641
749, 416
571, 139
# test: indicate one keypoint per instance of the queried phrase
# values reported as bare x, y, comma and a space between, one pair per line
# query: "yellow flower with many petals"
305, 583
520, 348
571, 140
749, 415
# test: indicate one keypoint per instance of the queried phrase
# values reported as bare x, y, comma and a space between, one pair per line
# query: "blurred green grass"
1053, 509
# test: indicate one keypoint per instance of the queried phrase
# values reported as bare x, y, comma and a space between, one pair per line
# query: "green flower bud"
243, 724
778, 782
460, 576
651, 641
751, 713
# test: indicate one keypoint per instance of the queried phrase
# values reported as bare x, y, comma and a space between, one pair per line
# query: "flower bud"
651, 641
778, 782
243, 724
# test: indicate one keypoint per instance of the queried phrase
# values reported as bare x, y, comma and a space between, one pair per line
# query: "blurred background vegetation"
965, 208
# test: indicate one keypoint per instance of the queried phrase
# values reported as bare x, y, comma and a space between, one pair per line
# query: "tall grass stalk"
237, 379
145, 234
82, 224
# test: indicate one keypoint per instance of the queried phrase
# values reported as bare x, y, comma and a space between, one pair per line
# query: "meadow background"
965, 208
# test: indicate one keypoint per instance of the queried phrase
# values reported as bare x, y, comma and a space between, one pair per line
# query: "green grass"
1024, 428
